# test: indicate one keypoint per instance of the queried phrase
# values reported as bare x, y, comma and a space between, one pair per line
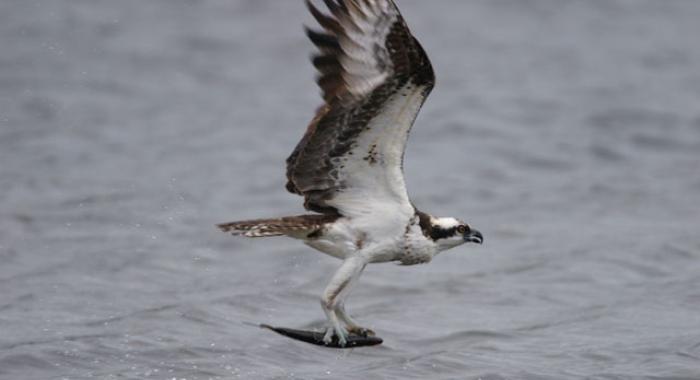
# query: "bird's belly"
337, 240
342, 240
338, 249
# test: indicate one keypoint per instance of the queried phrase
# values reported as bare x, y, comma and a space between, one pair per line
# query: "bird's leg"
350, 324
334, 294
334, 327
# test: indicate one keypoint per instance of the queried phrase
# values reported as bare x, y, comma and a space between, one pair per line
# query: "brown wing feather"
303, 225
366, 54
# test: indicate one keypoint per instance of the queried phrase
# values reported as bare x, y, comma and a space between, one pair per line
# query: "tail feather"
295, 226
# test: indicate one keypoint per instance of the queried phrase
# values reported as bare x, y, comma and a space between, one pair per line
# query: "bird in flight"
348, 166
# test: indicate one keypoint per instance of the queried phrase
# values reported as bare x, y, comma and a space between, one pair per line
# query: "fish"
316, 337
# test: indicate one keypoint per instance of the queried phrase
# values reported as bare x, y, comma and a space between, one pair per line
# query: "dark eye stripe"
442, 233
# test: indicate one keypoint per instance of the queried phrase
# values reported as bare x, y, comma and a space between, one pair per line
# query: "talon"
328, 338
339, 333
342, 341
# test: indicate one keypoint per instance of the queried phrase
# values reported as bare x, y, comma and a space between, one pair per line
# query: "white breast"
418, 249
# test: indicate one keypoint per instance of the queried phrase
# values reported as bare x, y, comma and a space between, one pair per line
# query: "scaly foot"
338, 332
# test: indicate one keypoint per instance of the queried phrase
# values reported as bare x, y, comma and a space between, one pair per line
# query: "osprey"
374, 77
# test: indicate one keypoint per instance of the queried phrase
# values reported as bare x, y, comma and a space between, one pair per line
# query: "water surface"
568, 132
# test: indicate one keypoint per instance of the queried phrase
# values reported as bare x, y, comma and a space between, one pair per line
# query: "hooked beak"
474, 236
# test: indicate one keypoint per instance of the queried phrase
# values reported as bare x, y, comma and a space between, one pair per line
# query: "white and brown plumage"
374, 76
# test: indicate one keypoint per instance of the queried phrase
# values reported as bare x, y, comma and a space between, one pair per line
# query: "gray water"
568, 132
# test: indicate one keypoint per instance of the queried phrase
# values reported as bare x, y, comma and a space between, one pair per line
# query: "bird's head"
451, 232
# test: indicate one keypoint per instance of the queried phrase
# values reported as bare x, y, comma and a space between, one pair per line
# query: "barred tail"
295, 226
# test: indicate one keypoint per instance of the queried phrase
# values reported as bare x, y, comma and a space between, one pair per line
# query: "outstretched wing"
374, 76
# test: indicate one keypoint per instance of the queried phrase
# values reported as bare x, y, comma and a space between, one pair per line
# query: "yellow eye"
462, 229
